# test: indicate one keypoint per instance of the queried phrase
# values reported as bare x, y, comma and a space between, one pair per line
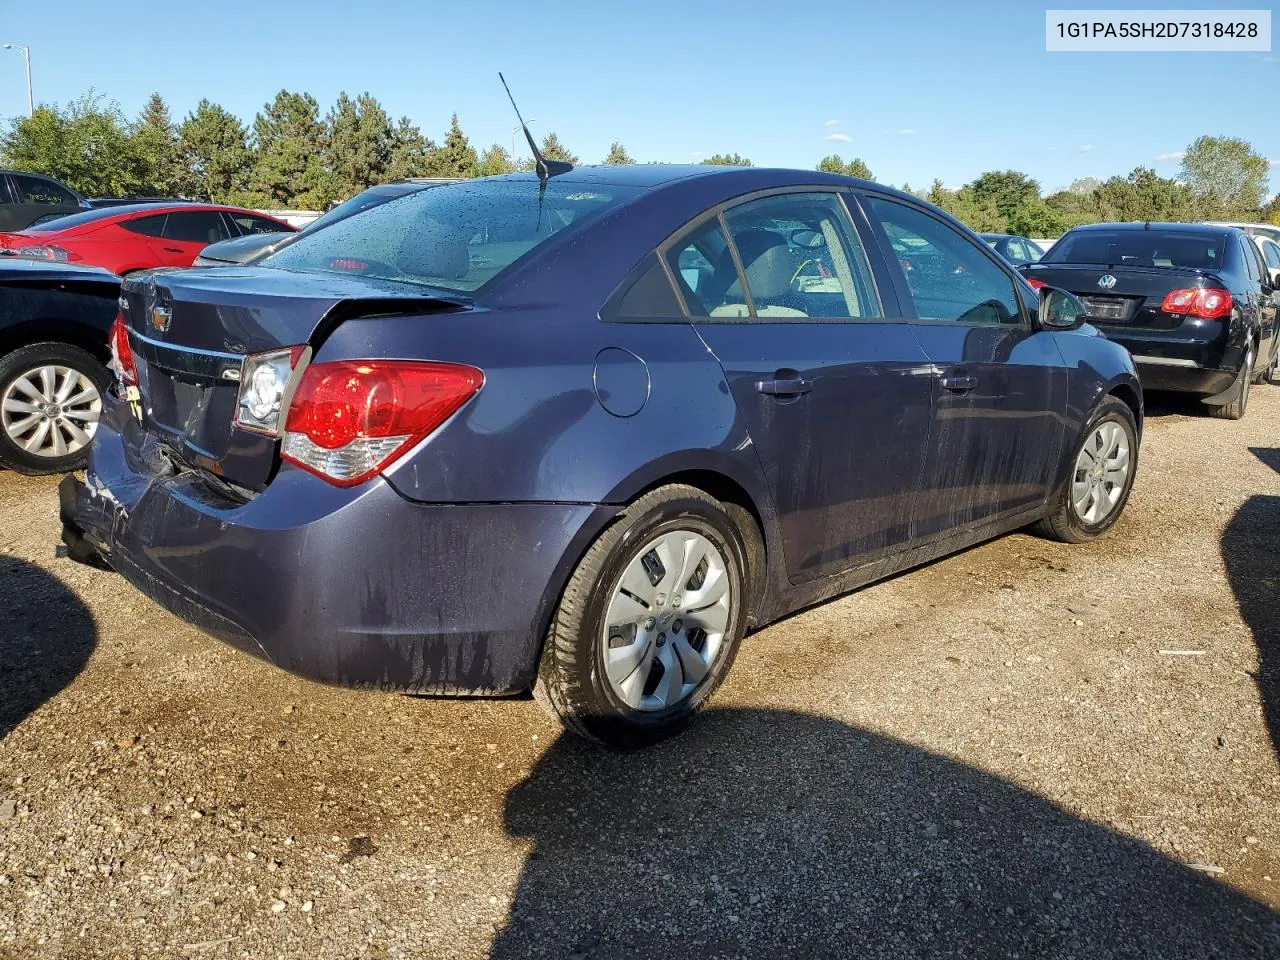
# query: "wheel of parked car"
1095, 493
50, 399
1244, 379
650, 621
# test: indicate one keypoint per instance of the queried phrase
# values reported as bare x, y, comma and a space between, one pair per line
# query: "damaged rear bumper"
357, 587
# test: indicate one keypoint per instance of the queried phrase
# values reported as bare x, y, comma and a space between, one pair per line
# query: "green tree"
1228, 177
359, 144
456, 157
155, 147
1270, 213
727, 160
1015, 196
854, 168
410, 151
553, 149
1074, 207
1084, 185
290, 141
496, 160
967, 206
216, 160
86, 144
1144, 195
618, 155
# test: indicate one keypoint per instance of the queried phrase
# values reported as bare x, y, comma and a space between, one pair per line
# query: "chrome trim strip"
1165, 362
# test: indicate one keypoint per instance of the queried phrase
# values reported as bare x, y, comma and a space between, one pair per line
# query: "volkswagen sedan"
579, 435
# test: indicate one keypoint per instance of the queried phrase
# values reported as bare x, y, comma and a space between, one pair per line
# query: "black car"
1017, 250
26, 197
54, 324
1193, 303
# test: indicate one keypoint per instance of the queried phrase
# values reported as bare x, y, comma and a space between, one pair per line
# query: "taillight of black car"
346, 420
1208, 303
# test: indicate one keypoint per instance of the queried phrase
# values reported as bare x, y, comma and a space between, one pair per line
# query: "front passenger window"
949, 276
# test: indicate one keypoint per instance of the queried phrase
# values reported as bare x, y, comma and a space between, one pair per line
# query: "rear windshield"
455, 236
361, 201
1139, 248
72, 220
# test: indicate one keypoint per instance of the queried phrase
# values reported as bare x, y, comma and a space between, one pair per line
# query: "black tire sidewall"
25, 358
610, 718
1119, 412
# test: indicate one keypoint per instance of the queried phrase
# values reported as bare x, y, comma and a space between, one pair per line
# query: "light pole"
514, 131
26, 55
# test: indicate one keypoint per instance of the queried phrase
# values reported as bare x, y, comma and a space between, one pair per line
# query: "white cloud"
906, 131
832, 123
1273, 163
838, 137
1170, 157
1086, 148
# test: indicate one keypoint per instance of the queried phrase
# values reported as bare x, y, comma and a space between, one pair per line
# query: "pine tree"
618, 155
456, 158
496, 160
215, 157
359, 144
553, 149
410, 151
290, 140
155, 146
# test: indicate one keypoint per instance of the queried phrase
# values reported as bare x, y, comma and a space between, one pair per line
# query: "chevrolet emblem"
161, 316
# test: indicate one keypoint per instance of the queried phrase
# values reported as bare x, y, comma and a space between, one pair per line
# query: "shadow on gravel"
768, 834
46, 636
1251, 553
1165, 404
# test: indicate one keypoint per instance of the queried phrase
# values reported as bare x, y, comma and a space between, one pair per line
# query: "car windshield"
455, 236
1139, 248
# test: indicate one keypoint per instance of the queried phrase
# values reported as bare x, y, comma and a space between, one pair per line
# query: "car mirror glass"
1060, 310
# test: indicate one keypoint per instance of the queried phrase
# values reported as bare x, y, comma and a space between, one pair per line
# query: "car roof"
653, 175
1208, 229
1000, 236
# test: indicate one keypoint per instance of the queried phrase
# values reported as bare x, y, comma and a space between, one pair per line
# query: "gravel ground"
1028, 750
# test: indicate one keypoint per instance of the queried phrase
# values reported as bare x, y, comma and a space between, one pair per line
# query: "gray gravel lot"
1028, 750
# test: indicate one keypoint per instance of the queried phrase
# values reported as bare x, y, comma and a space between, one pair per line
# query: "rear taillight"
43, 251
122, 353
264, 383
350, 419
1209, 303
1036, 284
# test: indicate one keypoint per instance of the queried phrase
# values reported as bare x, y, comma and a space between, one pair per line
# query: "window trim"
905, 300
717, 212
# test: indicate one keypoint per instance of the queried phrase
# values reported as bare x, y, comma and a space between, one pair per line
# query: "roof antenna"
546, 168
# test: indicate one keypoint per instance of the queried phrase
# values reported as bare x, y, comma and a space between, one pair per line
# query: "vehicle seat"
767, 263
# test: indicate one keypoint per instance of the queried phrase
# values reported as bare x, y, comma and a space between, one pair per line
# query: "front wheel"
649, 622
1106, 461
50, 400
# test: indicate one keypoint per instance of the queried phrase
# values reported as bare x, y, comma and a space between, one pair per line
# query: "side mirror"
1060, 310
1275, 278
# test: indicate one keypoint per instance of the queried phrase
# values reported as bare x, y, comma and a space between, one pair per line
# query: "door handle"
173, 250
791, 387
959, 384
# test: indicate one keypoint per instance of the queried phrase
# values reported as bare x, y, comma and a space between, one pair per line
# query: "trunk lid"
191, 329
1133, 300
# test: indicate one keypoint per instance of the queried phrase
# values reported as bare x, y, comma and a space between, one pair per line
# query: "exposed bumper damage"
356, 587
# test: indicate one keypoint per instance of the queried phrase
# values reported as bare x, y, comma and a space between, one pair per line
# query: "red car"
137, 236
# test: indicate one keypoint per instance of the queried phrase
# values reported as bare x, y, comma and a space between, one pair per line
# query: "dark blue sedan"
580, 435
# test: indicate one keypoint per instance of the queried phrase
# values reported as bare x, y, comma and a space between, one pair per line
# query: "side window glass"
1034, 252
1273, 254
802, 258
248, 223
949, 277
649, 297
1017, 251
147, 226
38, 190
1251, 259
196, 226
704, 269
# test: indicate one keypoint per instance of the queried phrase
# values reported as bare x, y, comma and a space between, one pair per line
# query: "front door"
836, 396
999, 388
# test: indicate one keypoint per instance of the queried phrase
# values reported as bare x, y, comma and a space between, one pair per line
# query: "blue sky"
919, 89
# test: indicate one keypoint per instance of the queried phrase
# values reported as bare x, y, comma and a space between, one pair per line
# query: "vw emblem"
1106, 281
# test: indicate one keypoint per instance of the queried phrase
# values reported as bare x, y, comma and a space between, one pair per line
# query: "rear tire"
1235, 410
621, 607
1075, 516
40, 434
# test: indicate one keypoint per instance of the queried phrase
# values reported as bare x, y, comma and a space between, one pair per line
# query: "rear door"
186, 233
38, 197
999, 387
835, 395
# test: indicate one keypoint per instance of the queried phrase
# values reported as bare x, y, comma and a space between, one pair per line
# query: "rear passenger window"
649, 297
196, 226
703, 267
147, 226
949, 276
248, 223
1251, 259
802, 258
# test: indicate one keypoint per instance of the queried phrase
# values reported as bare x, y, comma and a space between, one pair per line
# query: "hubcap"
1102, 468
666, 620
50, 411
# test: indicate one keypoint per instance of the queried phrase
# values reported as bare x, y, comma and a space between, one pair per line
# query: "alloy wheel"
1102, 470
666, 620
50, 411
